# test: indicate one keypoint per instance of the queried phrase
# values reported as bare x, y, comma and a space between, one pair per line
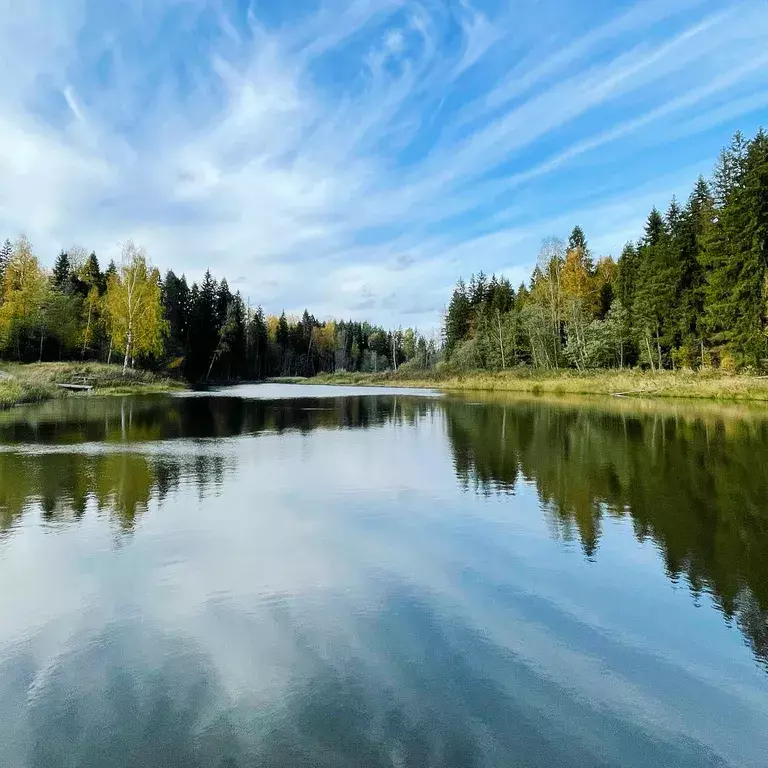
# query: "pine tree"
655, 228
751, 203
111, 270
734, 257
577, 239
204, 328
457, 318
578, 242
729, 170
61, 272
655, 292
689, 236
176, 309
92, 275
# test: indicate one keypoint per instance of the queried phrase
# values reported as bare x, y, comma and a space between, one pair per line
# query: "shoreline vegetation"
683, 312
28, 383
621, 384
23, 383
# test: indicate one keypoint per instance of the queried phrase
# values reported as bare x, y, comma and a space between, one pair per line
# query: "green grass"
708, 385
35, 382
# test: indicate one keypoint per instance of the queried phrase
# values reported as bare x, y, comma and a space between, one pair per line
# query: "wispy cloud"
357, 156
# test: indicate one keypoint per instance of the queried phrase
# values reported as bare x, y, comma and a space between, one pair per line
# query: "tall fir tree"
457, 319
61, 272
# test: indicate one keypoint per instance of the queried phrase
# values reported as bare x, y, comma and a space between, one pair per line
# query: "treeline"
691, 292
130, 314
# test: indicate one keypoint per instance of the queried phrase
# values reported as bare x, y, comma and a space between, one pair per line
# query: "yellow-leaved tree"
133, 306
25, 294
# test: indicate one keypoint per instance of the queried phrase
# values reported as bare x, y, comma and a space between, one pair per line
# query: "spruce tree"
751, 211
655, 228
734, 258
457, 318
92, 274
655, 292
61, 272
110, 271
729, 170
176, 311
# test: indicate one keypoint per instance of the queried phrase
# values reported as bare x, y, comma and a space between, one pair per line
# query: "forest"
129, 314
692, 292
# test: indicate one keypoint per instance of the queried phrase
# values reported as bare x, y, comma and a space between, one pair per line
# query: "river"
285, 576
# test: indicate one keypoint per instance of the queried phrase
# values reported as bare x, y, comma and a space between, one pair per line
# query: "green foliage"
692, 292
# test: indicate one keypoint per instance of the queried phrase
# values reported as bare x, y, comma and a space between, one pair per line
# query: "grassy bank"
35, 382
708, 385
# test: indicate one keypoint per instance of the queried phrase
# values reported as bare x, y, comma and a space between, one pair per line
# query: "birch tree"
133, 306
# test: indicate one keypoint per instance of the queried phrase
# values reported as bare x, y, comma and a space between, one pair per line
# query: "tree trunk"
87, 332
658, 347
210, 367
650, 354
501, 340
127, 350
42, 338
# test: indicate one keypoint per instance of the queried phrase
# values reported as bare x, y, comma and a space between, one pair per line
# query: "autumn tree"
133, 306
25, 291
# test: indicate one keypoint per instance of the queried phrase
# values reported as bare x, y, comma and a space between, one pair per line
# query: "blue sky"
358, 156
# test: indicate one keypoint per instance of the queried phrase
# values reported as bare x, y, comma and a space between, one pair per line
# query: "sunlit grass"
35, 382
711, 385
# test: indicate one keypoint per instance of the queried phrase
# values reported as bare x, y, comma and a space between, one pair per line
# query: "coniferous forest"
691, 292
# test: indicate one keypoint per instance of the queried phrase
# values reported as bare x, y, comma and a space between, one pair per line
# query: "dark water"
381, 580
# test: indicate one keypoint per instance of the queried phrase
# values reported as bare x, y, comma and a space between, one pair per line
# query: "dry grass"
708, 385
36, 382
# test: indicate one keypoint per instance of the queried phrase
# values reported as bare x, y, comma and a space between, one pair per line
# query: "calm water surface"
287, 576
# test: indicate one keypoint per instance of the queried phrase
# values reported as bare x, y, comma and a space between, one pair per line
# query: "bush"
466, 357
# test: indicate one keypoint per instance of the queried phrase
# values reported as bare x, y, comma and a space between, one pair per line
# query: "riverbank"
706, 385
37, 382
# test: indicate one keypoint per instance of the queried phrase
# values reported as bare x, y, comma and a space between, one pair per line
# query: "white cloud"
357, 159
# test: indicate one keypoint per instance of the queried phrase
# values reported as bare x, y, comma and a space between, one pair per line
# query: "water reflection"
694, 482
385, 581
137, 419
120, 483
149, 699
697, 486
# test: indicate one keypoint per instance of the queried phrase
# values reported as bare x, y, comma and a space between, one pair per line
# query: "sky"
356, 157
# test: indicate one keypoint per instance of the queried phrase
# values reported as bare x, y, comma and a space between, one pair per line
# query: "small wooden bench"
79, 383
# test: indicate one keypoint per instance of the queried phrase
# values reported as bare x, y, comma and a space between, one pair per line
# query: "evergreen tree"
655, 228
61, 272
655, 293
689, 236
111, 270
92, 275
729, 170
457, 318
577, 240
204, 328
176, 310
734, 256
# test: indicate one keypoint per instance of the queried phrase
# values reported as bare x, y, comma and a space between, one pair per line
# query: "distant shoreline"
37, 382
707, 385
